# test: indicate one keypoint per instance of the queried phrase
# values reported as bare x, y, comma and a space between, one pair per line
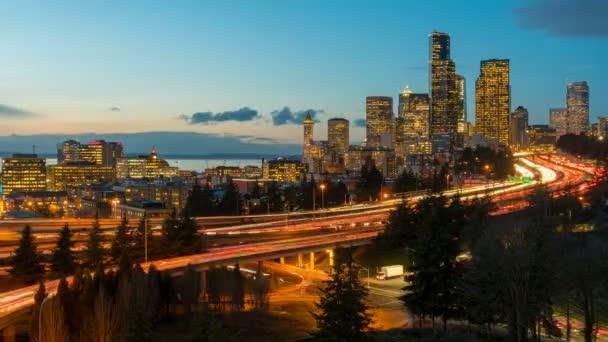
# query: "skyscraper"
493, 100
442, 79
461, 106
577, 102
379, 117
519, 129
414, 111
337, 134
558, 120
308, 139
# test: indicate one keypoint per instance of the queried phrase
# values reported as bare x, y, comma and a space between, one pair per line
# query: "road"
367, 221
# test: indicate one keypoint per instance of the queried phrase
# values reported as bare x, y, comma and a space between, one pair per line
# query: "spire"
407, 90
153, 152
308, 119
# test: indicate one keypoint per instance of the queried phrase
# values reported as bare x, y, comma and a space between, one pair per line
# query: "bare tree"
54, 328
103, 323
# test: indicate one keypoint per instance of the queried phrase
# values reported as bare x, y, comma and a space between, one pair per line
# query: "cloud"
114, 109
287, 116
9, 112
360, 123
565, 18
243, 114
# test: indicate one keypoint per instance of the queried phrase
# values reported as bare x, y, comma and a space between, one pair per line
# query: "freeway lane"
372, 214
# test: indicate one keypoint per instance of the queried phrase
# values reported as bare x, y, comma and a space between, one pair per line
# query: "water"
197, 165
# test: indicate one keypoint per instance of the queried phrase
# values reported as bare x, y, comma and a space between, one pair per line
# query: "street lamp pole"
40, 318
322, 196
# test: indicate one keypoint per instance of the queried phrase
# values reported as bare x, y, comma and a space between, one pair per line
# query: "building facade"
461, 108
442, 78
493, 100
519, 138
62, 177
98, 152
383, 158
24, 173
150, 166
379, 120
542, 138
577, 103
602, 128
558, 120
337, 140
284, 170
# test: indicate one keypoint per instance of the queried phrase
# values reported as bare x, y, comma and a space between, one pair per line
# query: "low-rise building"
23, 172
542, 138
139, 210
150, 166
384, 159
284, 170
62, 177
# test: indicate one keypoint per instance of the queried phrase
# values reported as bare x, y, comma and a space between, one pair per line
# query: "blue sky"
132, 66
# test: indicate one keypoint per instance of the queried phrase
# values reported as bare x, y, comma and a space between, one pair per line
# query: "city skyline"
88, 73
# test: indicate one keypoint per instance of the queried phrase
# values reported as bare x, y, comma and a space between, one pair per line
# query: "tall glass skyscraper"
461, 106
379, 117
493, 100
519, 129
337, 134
442, 79
558, 120
577, 102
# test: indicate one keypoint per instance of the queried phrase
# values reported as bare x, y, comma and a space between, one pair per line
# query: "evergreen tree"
187, 235
94, 253
200, 200
370, 182
343, 314
230, 204
38, 298
238, 289
407, 181
274, 198
139, 239
121, 244
207, 204
63, 260
26, 262
169, 233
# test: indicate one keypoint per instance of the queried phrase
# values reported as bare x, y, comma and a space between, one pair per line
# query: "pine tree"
63, 260
170, 233
343, 314
275, 199
121, 244
94, 253
26, 262
187, 235
230, 204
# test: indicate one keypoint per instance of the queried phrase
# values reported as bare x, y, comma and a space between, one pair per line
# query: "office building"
98, 152
24, 173
461, 109
308, 139
519, 129
150, 166
384, 159
284, 170
542, 138
379, 119
69, 175
493, 100
602, 128
444, 97
414, 109
338, 134
577, 103
558, 120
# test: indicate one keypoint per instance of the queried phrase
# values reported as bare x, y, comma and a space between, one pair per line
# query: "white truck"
387, 272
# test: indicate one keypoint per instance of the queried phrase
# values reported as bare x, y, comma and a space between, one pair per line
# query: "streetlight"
322, 196
40, 318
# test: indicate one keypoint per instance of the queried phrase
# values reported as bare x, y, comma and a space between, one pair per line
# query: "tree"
54, 328
343, 314
407, 181
139, 239
230, 204
274, 198
200, 200
121, 244
370, 182
169, 234
260, 288
188, 238
103, 322
238, 289
38, 299
26, 262
63, 260
94, 253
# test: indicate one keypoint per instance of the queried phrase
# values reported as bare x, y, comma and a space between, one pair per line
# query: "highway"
352, 225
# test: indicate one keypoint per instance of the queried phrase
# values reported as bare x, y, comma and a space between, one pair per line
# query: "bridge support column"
300, 260
282, 260
312, 260
330, 253
8, 334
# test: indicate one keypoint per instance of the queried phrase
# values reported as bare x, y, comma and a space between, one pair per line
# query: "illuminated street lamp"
322, 196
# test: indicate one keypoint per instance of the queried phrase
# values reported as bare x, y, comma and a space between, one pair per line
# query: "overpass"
355, 225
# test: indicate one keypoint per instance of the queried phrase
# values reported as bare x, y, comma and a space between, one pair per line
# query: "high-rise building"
442, 78
337, 134
23, 172
602, 128
461, 108
542, 138
379, 118
493, 100
308, 139
558, 120
519, 129
98, 152
414, 110
577, 102
63, 176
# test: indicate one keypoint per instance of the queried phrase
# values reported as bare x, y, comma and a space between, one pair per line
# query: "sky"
251, 69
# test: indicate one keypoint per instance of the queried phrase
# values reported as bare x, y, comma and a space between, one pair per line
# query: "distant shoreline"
215, 156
